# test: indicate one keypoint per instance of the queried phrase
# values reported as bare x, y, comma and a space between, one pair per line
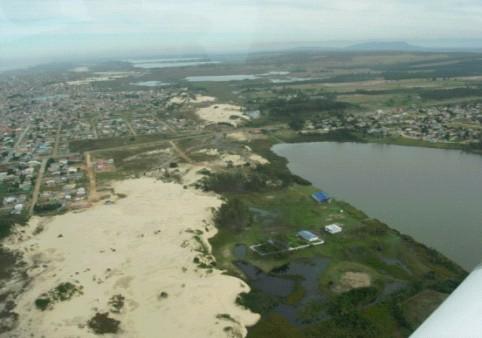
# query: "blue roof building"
308, 236
320, 197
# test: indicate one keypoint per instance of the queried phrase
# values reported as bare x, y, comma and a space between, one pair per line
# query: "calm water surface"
221, 78
431, 194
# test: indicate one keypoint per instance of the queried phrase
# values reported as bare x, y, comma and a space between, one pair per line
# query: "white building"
333, 229
9, 200
81, 192
17, 209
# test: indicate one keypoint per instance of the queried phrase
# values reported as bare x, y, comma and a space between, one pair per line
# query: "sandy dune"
203, 99
139, 248
222, 113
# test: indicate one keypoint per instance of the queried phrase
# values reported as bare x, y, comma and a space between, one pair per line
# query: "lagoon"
221, 78
433, 195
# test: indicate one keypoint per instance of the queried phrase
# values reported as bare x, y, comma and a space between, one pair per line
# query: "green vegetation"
7, 221
61, 293
163, 295
390, 261
113, 142
42, 303
233, 214
46, 208
101, 323
417, 308
226, 316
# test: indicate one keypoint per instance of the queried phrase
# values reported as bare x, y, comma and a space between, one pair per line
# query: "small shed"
308, 236
320, 197
333, 229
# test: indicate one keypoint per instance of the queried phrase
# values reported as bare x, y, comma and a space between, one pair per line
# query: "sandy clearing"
232, 159
203, 99
258, 159
353, 280
209, 152
239, 136
222, 113
138, 247
179, 99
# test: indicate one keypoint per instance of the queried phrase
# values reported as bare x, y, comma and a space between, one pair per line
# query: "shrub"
101, 323
233, 214
61, 293
117, 303
42, 303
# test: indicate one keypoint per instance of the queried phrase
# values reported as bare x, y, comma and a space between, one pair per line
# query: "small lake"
150, 84
170, 63
433, 195
221, 78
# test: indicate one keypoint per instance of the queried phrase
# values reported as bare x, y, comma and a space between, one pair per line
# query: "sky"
46, 30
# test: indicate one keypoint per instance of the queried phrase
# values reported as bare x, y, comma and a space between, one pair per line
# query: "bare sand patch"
209, 152
233, 160
203, 99
180, 99
239, 136
143, 248
353, 280
222, 113
258, 159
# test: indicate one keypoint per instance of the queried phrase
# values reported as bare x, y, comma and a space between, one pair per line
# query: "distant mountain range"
385, 46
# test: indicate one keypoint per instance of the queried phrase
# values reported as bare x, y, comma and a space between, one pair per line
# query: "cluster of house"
57, 110
147, 125
63, 182
14, 204
459, 123
16, 181
309, 236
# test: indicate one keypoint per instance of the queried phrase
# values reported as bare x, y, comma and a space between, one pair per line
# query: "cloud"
26, 24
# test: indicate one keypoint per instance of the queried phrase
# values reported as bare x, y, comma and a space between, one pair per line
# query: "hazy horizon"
33, 32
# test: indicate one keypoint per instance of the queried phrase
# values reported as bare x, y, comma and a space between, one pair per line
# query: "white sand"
239, 136
209, 152
177, 99
233, 159
139, 248
258, 159
203, 99
222, 113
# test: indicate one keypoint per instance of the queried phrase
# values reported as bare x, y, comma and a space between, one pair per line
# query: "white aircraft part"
460, 316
